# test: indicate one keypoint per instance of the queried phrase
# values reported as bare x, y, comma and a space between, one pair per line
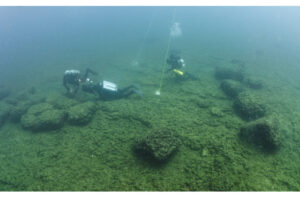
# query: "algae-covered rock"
249, 106
42, 117
229, 73
159, 145
262, 133
82, 113
29, 99
17, 111
60, 101
231, 88
20, 108
253, 83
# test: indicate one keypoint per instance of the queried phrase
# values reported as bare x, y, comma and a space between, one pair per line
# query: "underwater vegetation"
215, 134
226, 119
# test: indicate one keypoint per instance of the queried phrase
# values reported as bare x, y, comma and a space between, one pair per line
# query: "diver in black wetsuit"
177, 63
109, 91
73, 78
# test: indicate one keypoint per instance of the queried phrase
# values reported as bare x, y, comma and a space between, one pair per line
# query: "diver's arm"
87, 71
91, 71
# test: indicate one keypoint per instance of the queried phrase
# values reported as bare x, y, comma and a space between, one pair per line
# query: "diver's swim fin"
137, 90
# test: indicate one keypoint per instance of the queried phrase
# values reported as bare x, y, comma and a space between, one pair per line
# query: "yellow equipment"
178, 72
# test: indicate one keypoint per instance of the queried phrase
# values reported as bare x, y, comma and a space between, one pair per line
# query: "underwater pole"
157, 92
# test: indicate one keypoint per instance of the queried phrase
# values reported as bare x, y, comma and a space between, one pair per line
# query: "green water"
39, 45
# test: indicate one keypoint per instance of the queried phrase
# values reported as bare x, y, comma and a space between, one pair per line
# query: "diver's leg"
126, 92
132, 89
191, 76
126, 88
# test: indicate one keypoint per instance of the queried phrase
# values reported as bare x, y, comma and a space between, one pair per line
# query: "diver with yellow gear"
177, 64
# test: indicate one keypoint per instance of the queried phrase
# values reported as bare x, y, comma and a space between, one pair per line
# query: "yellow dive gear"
178, 72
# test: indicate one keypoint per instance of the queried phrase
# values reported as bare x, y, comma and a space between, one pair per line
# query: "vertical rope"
166, 55
145, 36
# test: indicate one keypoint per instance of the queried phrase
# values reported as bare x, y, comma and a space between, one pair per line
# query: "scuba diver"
109, 91
73, 78
177, 63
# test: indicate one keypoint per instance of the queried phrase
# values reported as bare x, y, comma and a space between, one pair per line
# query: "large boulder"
263, 133
17, 111
249, 106
229, 73
231, 88
43, 117
82, 113
159, 145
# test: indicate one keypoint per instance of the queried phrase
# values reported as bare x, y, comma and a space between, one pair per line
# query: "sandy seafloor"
99, 156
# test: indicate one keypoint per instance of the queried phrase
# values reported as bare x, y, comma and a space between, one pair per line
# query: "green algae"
98, 156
